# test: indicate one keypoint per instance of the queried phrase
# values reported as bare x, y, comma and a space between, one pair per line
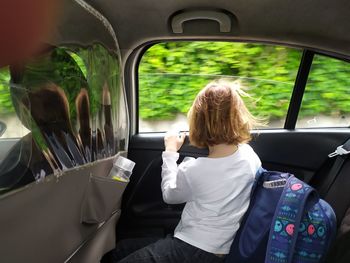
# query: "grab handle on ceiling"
222, 18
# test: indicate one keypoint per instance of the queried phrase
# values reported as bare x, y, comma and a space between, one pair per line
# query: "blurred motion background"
171, 74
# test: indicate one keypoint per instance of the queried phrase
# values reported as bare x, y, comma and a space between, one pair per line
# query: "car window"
12, 126
171, 74
327, 96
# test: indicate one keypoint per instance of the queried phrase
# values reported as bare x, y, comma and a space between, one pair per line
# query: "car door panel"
54, 210
299, 152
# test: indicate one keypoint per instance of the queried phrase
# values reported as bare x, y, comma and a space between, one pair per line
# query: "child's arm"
174, 186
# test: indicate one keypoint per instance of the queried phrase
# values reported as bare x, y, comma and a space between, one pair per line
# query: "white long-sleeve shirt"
216, 192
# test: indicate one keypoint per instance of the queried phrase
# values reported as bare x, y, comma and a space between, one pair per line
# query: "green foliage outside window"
328, 88
5, 97
171, 74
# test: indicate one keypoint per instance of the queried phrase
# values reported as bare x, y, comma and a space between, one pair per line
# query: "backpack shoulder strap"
258, 178
286, 221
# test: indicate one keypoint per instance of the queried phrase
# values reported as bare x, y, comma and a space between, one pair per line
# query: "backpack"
286, 222
340, 252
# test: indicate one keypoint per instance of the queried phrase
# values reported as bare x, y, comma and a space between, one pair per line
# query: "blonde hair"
219, 116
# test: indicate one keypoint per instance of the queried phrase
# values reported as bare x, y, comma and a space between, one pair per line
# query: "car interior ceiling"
126, 29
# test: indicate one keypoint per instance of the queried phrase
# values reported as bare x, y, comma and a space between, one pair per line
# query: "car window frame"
296, 98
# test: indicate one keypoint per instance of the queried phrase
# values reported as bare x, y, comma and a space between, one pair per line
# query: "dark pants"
167, 250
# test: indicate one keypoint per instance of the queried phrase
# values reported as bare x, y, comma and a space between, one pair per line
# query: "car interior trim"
298, 90
177, 21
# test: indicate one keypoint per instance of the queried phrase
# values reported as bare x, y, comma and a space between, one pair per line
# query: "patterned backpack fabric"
286, 223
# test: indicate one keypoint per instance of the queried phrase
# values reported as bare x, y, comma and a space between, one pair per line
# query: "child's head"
219, 116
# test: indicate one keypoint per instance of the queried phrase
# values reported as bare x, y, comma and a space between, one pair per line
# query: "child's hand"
173, 141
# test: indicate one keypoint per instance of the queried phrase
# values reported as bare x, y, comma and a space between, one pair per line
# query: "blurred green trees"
171, 74
5, 97
328, 88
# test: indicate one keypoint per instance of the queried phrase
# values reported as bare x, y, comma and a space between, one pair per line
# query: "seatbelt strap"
341, 152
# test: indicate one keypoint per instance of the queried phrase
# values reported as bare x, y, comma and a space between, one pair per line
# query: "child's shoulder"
249, 156
189, 163
245, 148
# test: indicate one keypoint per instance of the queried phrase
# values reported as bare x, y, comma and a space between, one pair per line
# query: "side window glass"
327, 96
12, 132
11, 128
171, 75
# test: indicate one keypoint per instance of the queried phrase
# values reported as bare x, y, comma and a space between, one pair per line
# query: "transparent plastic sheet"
74, 95
69, 101
15, 140
72, 102
108, 109
103, 93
